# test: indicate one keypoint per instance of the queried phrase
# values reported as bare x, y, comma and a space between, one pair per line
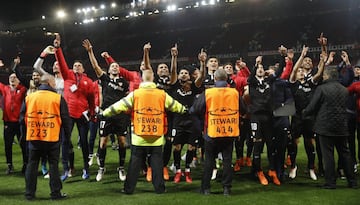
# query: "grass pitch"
246, 189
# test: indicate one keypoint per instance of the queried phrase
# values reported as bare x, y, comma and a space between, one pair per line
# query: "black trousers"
245, 135
37, 149
167, 151
138, 154
281, 135
10, 130
212, 148
262, 129
83, 129
354, 128
327, 144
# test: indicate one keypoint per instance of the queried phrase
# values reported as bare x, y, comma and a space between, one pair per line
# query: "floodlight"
171, 7
61, 14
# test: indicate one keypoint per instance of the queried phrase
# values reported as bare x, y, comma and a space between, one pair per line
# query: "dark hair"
212, 57
228, 63
331, 72
190, 68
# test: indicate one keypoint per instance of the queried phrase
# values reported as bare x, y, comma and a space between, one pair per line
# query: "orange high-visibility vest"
222, 112
149, 112
42, 116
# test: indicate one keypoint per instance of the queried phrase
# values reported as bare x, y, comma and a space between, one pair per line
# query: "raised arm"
64, 69
330, 58
146, 57
282, 62
346, 72
131, 76
288, 65
258, 61
323, 43
173, 68
109, 60
202, 59
242, 69
320, 70
16, 68
173, 105
122, 105
252, 79
298, 63
88, 47
39, 62
345, 58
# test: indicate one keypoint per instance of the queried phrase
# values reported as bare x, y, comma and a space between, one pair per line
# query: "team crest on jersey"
183, 92
304, 88
116, 85
263, 88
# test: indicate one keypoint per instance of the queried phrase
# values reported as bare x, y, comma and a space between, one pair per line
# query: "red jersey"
13, 99
78, 89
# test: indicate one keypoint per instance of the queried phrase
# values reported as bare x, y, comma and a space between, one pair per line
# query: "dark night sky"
15, 11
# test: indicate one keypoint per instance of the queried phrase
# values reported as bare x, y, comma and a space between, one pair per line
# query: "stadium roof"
17, 11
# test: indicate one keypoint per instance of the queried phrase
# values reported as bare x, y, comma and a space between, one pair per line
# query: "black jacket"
329, 106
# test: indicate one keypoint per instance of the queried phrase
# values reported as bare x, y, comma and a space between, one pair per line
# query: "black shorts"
118, 125
184, 136
302, 127
261, 126
186, 130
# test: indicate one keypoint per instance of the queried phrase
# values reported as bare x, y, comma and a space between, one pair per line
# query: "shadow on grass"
8, 191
